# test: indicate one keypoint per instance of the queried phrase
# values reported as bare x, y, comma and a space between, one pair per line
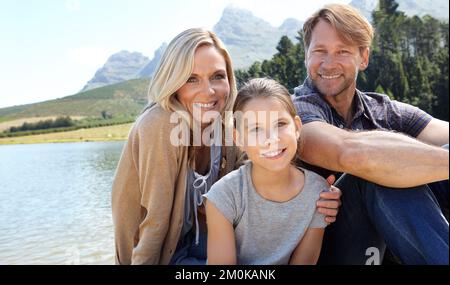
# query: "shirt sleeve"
318, 221
221, 195
412, 119
311, 108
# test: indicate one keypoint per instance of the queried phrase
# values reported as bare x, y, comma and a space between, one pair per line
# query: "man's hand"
330, 201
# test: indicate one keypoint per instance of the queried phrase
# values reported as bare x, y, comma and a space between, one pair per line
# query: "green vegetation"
409, 61
65, 124
125, 99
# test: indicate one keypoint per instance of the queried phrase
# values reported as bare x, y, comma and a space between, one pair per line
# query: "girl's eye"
281, 124
255, 130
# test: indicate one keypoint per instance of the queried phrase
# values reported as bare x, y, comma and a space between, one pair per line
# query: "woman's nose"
207, 88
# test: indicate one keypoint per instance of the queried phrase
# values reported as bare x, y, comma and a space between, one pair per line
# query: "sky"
51, 48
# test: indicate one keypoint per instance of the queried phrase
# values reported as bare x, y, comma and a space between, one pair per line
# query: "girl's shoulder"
233, 179
315, 181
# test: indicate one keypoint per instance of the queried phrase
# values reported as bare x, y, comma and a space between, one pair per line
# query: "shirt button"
341, 126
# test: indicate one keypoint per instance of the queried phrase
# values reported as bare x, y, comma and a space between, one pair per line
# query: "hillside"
121, 100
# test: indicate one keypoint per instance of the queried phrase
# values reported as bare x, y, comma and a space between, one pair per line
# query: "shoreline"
108, 133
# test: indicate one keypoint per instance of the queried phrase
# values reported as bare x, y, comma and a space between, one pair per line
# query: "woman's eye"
219, 77
191, 80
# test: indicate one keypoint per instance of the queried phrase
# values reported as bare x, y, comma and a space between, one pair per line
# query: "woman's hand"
330, 201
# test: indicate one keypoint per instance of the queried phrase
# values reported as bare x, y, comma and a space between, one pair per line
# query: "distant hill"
436, 8
150, 68
249, 38
120, 100
119, 67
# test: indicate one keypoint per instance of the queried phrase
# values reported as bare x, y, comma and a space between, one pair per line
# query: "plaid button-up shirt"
373, 111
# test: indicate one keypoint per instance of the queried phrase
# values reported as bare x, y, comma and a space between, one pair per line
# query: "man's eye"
281, 124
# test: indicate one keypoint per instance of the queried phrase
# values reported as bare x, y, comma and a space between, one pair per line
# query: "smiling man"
376, 141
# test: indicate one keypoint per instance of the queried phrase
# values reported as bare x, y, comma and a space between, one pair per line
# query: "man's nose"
328, 60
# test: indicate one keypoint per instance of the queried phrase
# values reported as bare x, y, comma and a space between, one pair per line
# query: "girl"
265, 212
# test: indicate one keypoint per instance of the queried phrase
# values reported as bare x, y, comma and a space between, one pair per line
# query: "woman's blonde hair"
177, 65
351, 25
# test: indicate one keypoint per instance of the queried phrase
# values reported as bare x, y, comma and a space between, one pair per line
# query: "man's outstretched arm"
386, 158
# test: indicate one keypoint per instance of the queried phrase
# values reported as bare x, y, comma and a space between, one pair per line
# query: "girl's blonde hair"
177, 65
351, 25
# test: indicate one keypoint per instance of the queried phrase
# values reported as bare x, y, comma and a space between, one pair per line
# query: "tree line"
60, 122
409, 61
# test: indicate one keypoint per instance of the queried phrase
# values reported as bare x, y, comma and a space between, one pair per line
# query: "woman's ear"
298, 126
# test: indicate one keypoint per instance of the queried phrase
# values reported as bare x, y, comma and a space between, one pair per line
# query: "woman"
157, 192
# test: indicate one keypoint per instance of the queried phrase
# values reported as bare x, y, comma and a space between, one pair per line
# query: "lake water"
55, 203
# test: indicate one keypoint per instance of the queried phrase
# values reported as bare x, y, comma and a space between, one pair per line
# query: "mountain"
120, 67
249, 38
436, 8
150, 68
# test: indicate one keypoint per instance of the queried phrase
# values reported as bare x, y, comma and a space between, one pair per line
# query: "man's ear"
365, 55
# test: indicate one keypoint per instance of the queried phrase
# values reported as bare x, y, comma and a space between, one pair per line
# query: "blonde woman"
157, 203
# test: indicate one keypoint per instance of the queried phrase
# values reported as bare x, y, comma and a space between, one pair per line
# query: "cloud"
73, 5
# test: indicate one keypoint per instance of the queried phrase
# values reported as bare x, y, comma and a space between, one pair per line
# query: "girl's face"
268, 133
207, 89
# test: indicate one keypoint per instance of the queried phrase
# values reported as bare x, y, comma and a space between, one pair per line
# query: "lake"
55, 203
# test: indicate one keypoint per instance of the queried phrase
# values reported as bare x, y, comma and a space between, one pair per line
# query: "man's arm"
435, 133
385, 158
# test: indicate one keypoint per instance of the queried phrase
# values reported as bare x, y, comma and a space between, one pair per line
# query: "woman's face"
206, 92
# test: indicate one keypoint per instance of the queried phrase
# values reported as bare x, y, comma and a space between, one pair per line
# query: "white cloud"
73, 5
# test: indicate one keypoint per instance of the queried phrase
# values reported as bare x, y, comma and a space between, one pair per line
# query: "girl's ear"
298, 126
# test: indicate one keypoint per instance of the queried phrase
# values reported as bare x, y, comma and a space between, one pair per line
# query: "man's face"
332, 64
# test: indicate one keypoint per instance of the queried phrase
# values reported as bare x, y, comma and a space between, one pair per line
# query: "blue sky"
50, 48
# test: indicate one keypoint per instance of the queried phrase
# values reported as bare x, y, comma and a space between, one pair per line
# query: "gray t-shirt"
266, 232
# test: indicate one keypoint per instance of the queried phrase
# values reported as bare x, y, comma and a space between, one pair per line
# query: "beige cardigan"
149, 190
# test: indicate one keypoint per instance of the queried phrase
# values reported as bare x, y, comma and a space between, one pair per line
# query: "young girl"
265, 212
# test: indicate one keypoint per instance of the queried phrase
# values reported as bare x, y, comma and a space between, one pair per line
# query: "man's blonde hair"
177, 65
351, 25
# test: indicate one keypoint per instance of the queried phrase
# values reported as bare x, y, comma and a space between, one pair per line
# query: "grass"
109, 133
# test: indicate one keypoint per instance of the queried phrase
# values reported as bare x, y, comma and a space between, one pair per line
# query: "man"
371, 138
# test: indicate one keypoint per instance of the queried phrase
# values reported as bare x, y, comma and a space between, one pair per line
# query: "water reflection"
55, 203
